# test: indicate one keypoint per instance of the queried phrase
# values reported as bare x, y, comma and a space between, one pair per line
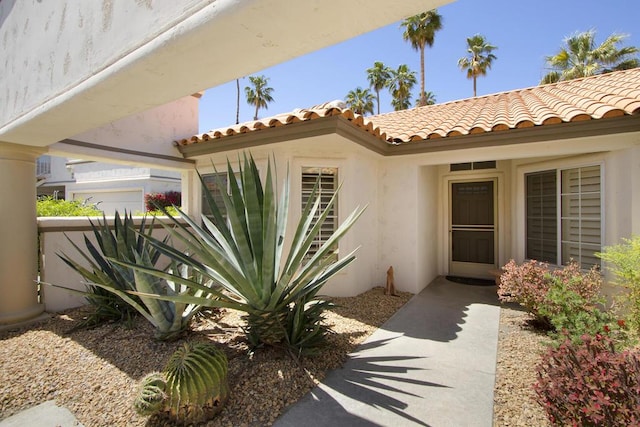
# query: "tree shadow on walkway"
364, 383
439, 311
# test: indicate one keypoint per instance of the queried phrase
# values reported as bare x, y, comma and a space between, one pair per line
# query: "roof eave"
347, 129
541, 133
306, 129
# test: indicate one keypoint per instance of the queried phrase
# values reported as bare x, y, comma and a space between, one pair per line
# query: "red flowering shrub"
526, 284
530, 285
155, 201
590, 384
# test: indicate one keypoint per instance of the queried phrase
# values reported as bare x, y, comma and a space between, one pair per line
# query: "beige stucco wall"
407, 223
400, 191
129, 140
357, 171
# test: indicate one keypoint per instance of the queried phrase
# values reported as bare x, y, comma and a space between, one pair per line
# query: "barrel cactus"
191, 389
151, 396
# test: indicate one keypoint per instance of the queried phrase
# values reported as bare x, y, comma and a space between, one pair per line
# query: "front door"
472, 228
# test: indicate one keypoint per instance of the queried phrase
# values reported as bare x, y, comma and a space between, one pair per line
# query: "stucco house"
549, 173
76, 67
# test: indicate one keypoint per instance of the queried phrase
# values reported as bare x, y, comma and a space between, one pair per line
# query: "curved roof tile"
590, 98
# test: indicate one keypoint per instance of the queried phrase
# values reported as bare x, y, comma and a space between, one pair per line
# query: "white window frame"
559, 166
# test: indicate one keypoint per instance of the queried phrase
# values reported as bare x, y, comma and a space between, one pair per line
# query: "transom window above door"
564, 215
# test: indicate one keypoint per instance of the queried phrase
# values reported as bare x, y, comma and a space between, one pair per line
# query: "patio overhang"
132, 56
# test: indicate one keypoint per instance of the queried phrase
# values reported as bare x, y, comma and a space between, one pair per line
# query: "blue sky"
525, 31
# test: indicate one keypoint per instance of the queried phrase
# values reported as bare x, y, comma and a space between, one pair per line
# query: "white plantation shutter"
578, 219
581, 215
328, 181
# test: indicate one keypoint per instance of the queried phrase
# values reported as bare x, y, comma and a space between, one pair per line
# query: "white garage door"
110, 201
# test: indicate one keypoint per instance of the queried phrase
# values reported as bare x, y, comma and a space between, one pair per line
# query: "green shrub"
190, 390
171, 210
589, 383
48, 206
624, 261
573, 315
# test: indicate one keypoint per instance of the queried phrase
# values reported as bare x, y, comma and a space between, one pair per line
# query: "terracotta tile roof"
591, 98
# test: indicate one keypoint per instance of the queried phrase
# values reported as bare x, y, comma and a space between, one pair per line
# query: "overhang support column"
18, 233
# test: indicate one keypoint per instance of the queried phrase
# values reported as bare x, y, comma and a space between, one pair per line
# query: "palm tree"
378, 77
237, 101
430, 98
360, 101
400, 84
479, 58
580, 57
260, 94
420, 31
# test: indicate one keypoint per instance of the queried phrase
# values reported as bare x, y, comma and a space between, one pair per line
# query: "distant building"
110, 187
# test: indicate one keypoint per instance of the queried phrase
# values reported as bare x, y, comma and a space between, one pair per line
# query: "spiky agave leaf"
112, 284
111, 242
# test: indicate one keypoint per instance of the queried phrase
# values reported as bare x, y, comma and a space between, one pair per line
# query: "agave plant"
110, 284
244, 254
120, 242
191, 389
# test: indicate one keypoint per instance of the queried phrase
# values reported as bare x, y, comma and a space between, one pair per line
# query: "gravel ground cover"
519, 351
95, 372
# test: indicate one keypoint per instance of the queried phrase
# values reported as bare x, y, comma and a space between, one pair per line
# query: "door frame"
474, 270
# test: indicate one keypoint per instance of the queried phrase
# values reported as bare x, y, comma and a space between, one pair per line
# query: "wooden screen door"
472, 231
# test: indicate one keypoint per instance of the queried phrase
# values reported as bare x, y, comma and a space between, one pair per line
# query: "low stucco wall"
52, 232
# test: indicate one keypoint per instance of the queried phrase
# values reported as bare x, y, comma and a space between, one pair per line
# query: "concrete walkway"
47, 414
432, 364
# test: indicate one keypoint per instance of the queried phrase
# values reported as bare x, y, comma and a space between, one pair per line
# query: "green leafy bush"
171, 210
48, 206
589, 384
624, 261
244, 254
571, 314
190, 390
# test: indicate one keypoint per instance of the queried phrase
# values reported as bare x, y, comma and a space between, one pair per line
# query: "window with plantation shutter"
581, 206
216, 183
328, 178
542, 222
564, 210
